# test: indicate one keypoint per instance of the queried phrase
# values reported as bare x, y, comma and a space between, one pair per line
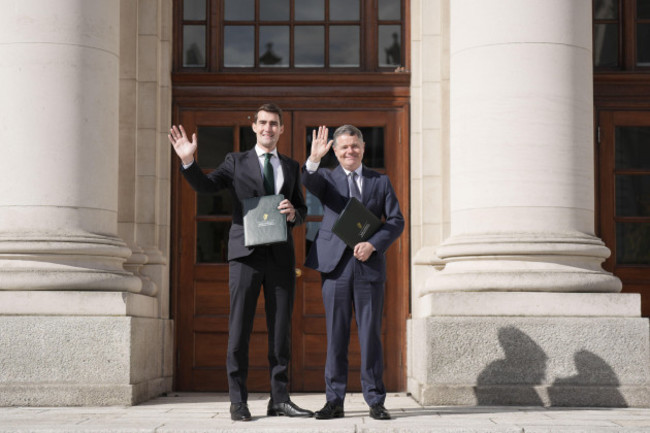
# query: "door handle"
298, 272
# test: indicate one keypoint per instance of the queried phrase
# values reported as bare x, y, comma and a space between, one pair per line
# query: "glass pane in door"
633, 195
212, 242
633, 244
632, 150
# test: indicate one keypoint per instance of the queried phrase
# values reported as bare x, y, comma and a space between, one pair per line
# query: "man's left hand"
363, 250
287, 208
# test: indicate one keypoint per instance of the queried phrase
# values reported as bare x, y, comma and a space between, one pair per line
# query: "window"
621, 34
291, 35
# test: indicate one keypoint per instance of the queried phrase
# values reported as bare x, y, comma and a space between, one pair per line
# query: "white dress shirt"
313, 166
278, 176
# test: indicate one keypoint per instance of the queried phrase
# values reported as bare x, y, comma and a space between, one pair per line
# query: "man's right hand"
319, 144
182, 145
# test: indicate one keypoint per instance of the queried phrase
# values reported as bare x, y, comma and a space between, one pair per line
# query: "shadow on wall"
513, 379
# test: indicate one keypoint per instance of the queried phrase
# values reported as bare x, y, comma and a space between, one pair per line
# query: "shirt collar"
357, 171
261, 151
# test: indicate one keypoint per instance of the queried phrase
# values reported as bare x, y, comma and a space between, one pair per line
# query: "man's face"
349, 151
268, 129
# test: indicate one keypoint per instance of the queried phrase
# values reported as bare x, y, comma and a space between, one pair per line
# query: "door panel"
624, 199
201, 230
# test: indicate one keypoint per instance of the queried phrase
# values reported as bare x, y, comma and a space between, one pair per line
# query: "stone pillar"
74, 329
522, 167
58, 194
522, 312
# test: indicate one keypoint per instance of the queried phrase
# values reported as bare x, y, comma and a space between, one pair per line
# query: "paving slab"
209, 413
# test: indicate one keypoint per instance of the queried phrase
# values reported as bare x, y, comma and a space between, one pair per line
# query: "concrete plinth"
83, 360
545, 357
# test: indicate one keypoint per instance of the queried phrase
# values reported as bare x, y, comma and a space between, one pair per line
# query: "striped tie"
352, 184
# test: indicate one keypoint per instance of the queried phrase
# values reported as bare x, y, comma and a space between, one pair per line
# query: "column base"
83, 360
64, 261
544, 262
589, 359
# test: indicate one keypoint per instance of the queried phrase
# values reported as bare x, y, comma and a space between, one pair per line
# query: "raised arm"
182, 145
319, 145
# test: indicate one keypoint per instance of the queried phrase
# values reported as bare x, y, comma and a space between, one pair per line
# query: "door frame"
635, 278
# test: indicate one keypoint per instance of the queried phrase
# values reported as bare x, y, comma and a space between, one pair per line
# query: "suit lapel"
341, 181
368, 185
253, 173
286, 185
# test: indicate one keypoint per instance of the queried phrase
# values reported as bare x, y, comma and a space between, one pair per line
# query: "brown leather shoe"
378, 411
239, 412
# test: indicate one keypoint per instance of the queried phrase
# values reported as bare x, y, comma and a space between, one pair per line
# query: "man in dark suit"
352, 278
257, 172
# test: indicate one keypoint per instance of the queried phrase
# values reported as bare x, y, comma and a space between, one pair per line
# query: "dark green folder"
263, 222
356, 223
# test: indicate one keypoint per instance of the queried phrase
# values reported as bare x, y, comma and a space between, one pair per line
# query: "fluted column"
522, 165
59, 110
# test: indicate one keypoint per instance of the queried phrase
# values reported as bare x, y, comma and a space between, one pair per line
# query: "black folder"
356, 223
263, 222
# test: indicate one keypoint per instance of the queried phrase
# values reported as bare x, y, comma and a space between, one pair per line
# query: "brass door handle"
298, 272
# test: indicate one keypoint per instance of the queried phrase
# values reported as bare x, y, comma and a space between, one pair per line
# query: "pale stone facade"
509, 303
86, 98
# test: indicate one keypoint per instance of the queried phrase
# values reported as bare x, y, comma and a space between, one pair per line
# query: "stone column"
74, 329
58, 193
522, 166
522, 312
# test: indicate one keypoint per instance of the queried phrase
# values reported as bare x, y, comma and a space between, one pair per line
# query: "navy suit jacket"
240, 173
331, 188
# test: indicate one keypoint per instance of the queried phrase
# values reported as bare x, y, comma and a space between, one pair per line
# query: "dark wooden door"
624, 198
200, 249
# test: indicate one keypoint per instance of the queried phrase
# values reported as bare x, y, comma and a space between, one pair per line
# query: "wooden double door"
200, 268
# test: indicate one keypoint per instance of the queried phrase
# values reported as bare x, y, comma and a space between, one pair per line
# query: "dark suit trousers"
344, 291
247, 275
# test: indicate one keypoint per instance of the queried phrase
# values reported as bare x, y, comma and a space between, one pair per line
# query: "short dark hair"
270, 108
347, 130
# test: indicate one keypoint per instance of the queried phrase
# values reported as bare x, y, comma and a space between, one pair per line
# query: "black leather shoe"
239, 412
378, 411
329, 411
287, 408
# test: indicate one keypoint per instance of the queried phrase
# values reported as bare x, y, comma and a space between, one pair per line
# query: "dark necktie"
352, 184
269, 183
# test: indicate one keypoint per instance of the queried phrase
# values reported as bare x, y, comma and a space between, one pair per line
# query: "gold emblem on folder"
359, 225
266, 216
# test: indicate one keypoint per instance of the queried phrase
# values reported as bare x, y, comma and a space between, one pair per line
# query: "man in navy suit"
352, 278
257, 172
